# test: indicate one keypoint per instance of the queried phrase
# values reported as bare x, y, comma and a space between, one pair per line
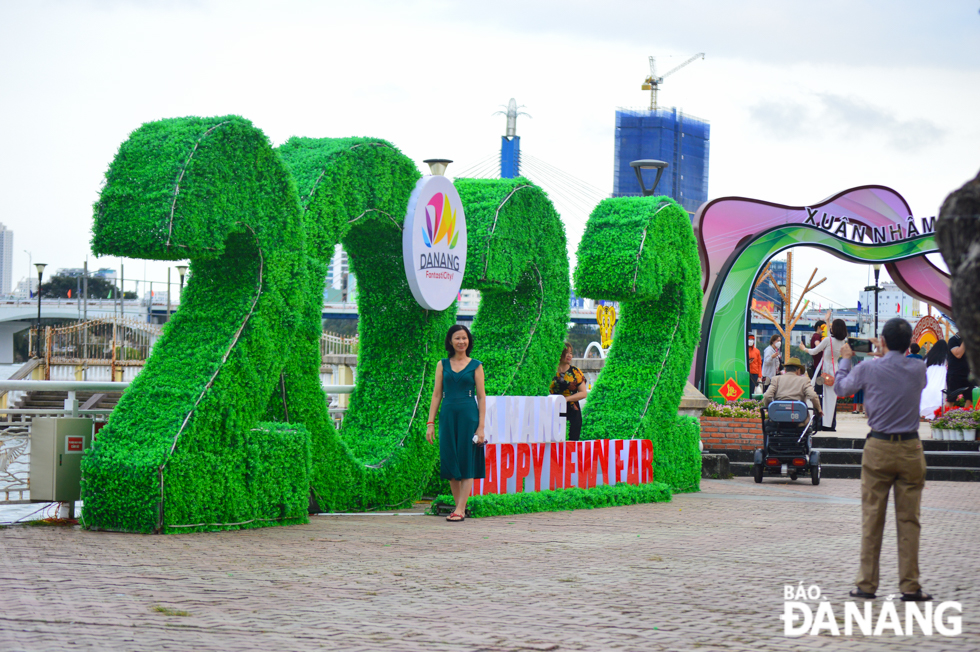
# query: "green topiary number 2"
641, 251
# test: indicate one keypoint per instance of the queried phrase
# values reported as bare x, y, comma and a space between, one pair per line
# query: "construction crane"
652, 83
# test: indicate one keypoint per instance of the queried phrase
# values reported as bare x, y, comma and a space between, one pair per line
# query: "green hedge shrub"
517, 257
356, 191
175, 451
641, 251
557, 500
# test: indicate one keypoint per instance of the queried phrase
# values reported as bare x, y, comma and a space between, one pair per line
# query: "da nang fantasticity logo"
440, 222
893, 616
434, 242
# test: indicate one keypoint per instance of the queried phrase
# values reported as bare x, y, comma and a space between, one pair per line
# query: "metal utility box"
57, 445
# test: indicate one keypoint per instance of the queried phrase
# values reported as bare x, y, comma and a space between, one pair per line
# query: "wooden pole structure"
788, 298
791, 313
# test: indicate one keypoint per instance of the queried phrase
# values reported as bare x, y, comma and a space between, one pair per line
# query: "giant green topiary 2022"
226, 427
641, 251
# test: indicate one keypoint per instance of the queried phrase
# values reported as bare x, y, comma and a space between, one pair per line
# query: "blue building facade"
766, 292
681, 140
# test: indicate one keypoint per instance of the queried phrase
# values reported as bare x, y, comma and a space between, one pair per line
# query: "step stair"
47, 400
840, 457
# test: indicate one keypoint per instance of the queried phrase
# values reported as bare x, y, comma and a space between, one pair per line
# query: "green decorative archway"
738, 236
725, 321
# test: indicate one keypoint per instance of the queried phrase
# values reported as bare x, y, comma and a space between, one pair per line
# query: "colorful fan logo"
440, 222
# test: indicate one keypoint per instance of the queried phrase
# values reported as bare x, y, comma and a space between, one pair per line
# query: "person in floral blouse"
570, 382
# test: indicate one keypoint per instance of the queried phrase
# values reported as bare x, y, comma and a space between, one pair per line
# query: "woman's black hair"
937, 354
775, 337
838, 329
449, 339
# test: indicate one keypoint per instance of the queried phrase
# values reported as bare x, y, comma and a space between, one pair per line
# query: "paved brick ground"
704, 572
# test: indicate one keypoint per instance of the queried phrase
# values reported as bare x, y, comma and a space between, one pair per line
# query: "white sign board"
434, 242
525, 419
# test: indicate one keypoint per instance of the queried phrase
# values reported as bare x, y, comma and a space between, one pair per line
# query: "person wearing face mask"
770, 359
755, 365
819, 332
825, 373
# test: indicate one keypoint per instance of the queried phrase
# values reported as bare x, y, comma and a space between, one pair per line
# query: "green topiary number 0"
641, 251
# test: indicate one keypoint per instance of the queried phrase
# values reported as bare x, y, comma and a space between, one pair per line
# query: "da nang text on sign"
866, 617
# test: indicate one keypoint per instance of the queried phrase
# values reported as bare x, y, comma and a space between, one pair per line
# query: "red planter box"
721, 433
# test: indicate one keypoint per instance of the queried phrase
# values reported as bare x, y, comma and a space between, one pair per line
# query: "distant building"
6, 260
74, 272
682, 141
892, 302
469, 299
26, 288
766, 295
155, 297
340, 284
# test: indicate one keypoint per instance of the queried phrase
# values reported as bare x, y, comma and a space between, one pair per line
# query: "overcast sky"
805, 99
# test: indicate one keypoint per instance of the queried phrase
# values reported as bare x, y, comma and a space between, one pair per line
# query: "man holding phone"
892, 455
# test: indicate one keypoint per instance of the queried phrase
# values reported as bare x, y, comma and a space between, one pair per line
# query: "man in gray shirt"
794, 385
892, 454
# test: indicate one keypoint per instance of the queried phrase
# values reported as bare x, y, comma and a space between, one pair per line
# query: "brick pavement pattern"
704, 572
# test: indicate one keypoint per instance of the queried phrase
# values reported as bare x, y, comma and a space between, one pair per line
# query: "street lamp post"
877, 267
40, 272
648, 164
182, 269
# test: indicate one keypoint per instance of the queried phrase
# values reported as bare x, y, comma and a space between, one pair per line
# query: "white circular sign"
434, 242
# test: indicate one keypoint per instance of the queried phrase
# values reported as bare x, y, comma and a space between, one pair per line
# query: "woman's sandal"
459, 518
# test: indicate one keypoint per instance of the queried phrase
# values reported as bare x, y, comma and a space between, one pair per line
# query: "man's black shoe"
864, 595
918, 596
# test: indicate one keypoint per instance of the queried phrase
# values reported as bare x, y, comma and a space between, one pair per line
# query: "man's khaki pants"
885, 464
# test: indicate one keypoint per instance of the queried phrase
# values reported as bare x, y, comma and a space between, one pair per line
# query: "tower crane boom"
652, 83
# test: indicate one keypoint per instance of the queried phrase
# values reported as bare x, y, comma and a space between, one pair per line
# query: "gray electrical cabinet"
57, 445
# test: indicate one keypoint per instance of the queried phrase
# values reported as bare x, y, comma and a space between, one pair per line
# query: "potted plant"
970, 426
939, 428
959, 421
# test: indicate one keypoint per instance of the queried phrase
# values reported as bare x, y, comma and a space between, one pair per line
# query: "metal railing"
331, 344
72, 386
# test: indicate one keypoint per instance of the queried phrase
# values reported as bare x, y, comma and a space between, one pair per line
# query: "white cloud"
804, 100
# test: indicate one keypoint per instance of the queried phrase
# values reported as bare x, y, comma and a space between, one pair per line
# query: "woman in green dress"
459, 385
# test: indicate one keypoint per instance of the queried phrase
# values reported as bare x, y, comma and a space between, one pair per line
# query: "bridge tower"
510, 144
